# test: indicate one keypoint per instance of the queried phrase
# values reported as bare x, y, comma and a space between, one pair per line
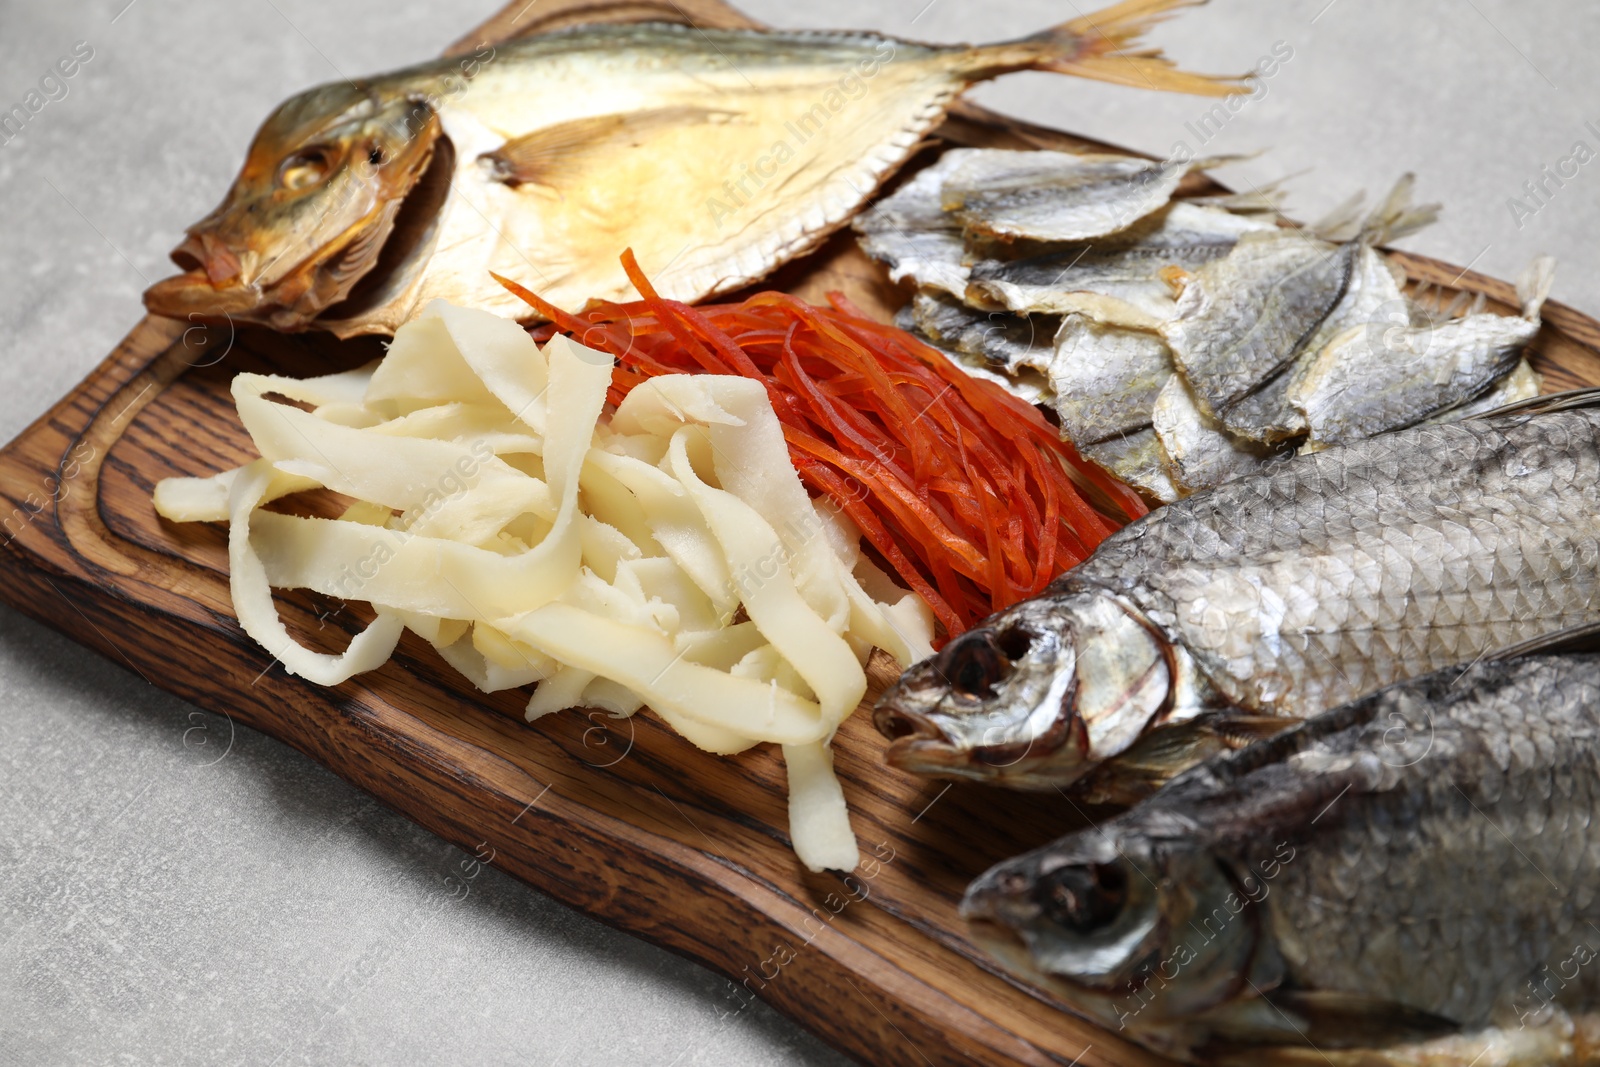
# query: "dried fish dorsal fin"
1396, 217
1266, 198
546, 156
1533, 286
1392, 219
521, 19
1343, 222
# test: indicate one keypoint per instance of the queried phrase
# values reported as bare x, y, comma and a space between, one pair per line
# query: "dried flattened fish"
910, 233
1105, 379
1006, 341
1136, 457
1058, 196
1027, 383
1199, 452
1125, 267
544, 157
1523, 383
1379, 377
1244, 318
1375, 290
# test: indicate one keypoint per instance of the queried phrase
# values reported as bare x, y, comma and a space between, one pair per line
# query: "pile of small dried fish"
1407, 881
1184, 342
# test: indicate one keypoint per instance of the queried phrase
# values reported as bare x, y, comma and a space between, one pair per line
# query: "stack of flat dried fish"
1184, 342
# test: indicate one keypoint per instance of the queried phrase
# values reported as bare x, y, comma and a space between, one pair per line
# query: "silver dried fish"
1407, 881
1005, 341
1126, 267
1376, 290
1244, 318
1105, 379
1273, 597
1380, 377
1137, 459
1523, 383
1057, 196
910, 233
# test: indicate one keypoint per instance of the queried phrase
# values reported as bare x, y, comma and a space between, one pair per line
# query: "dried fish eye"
1014, 642
1084, 898
974, 663
304, 169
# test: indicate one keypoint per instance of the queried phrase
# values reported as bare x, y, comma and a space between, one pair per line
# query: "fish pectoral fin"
1324, 1019
556, 153
1165, 751
1238, 731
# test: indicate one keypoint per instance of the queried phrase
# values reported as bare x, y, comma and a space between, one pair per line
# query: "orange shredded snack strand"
966, 492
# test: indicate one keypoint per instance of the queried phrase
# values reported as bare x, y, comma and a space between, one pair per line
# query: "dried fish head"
310, 212
1033, 697
1138, 930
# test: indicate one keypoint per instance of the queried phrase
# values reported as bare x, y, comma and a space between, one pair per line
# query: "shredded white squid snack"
666, 556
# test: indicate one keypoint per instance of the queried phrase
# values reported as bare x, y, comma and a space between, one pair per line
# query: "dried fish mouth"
1036, 697
376, 257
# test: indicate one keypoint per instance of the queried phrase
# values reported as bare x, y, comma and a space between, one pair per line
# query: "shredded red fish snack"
965, 491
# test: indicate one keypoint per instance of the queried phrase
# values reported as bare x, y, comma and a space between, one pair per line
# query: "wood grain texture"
622, 820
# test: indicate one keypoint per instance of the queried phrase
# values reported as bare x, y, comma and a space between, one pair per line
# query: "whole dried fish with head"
1058, 196
1406, 881
545, 157
1377, 376
1271, 598
1116, 278
1244, 318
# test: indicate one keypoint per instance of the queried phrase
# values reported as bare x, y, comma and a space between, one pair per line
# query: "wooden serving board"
624, 821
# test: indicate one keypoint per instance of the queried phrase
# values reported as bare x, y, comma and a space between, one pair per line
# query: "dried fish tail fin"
1396, 216
1097, 46
1533, 286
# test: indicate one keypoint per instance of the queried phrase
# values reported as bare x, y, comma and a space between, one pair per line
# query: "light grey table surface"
175, 891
